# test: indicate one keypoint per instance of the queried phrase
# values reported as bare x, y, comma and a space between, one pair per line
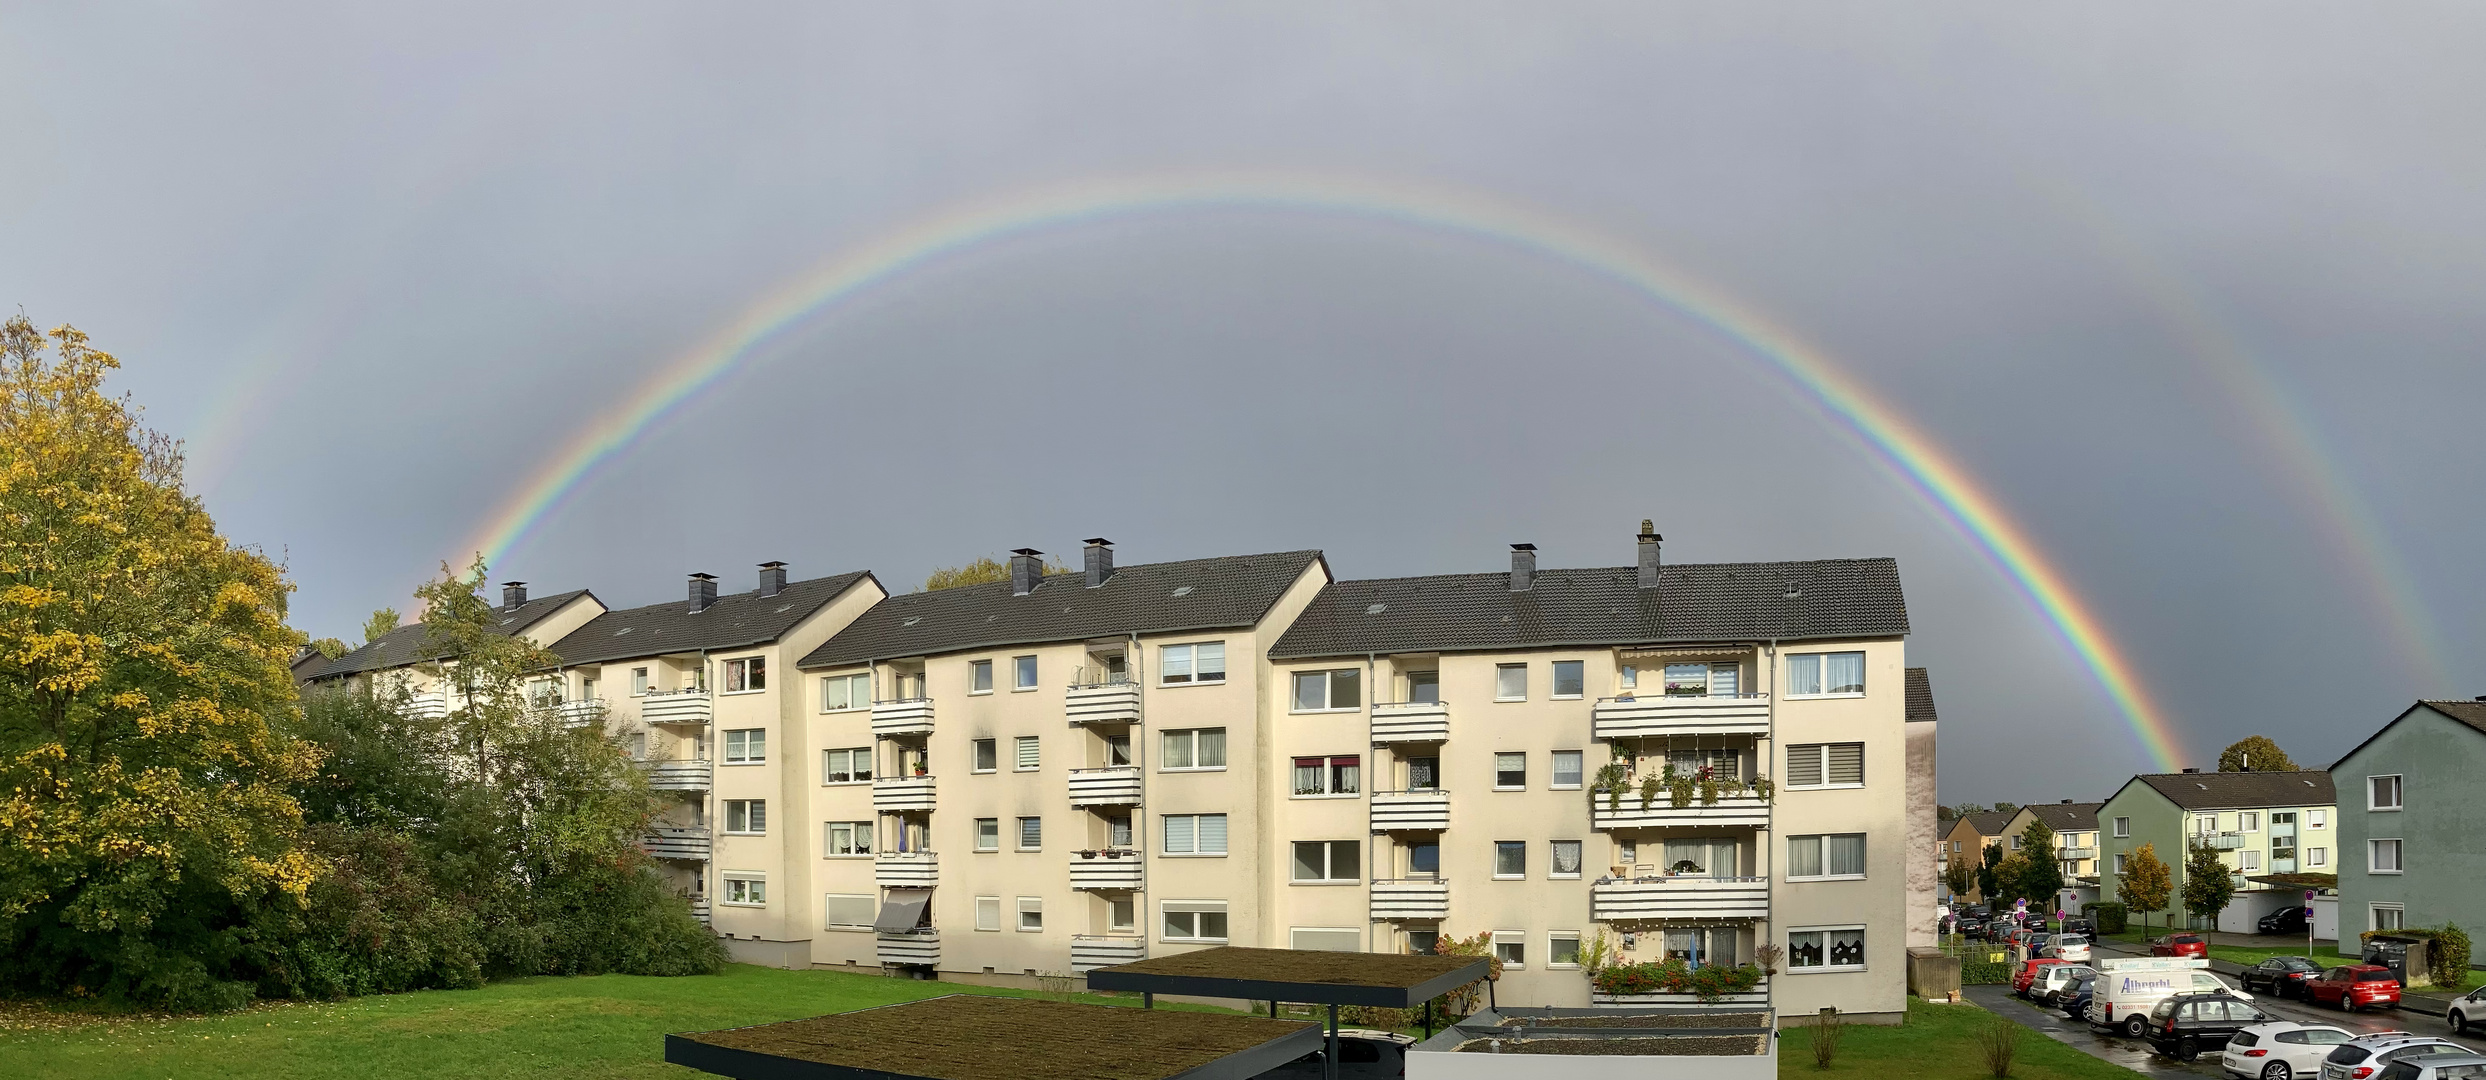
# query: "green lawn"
1939, 1042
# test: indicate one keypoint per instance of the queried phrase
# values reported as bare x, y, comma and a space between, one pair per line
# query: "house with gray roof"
2261, 823
541, 619
2408, 834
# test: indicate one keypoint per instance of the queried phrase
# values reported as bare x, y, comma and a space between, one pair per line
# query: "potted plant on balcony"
1707, 778
1762, 788
1680, 787
1650, 785
1088, 853
1612, 778
1113, 853
921, 769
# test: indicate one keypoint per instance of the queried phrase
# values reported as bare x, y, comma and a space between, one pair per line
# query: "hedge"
2111, 917
2447, 950
1984, 974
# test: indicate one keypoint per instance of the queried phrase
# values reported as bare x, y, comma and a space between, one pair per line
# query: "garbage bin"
2390, 954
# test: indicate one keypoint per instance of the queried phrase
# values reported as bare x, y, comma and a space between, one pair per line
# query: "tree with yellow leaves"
146, 797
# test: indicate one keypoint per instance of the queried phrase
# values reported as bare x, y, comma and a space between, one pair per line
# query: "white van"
2127, 988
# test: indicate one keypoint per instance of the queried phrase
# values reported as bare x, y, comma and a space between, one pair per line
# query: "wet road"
2135, 1054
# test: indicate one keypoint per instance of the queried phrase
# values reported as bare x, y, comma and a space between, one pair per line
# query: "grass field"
1939, 1042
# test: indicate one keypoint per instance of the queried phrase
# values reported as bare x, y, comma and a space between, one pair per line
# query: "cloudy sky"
2191, 293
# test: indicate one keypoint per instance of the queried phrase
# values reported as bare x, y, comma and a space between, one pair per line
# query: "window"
2015, 843
1566, 769
1203, 748
987, 834
1031, 834
1825, 674
1329, 775
1320, 862
1837, 948
748, 817
1023, 671
841, 692
1421, 942
2386, 916
1424, 859
2382, 856
847, 837
1424, 687
1322, 691
1510, 682
1511, 948
1825, 765
746, 675
1194, 920
638, 746
1118, 832
988, 913
848, 911
746, 891
2119, 863
1195, 834
1566, 858
638, 682
1424, 773
2123, 827
1510, 858
2248, 861
2249, 821
1031, 914
2315, 819
1204, 662
987, 755
1027, 754
2317, 856
1117, 750
1835, 855
1629, 677
980, 677
1565, 951
1122, 913
1702, 680
746, 746
1568, 680
846, 766
2382, 792
1510, 772
1326, 939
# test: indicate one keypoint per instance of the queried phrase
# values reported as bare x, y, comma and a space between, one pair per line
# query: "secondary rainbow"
1911, 457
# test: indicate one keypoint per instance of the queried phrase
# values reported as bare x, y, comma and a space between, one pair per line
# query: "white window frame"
1329, 690
755, 888
1166, 849
742, 755
2373, 916
1826, 966
2248, 821
1553, 776
1498, 770
1187, 656
745, 805
1498, 875
1501, 691
2248, 861
1553, 941
1026, 753
1193, 734
2317, 856
1029, 905
1114, 907
979, 671
975, 752
1822, 749
1026, 673
852, 682
988, 905
980, 834
2317, 819
2123, 828
1821, 661
747, 666
1553, 685
1020, 836
854, 829
1329, 863
1553, 858
2119, 857
2399, 855
641, 681
1517, 960
1195, 909
829, 770
1628, 677
1329, 773
1826, 875
871, 904
2399, 793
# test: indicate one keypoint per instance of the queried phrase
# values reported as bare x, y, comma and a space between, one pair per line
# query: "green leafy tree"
147, 800
1988, 886
1958, 878
2208, 888
379, 624
2011, 877
2042, 881
2005, 808
2146, 884
331, 648
983, 571
2255, 753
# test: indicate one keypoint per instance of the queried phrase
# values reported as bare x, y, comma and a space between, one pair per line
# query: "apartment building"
2261, 823
703, 690
403, 659
1053, 773
2075, 828
1965, 842
1502, 726
2408, 851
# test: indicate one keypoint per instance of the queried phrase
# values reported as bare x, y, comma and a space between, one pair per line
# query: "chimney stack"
1648, 553
1523, 567
1100, 560
2192, 770
703, 592
772, 578
513, 595
1026, 569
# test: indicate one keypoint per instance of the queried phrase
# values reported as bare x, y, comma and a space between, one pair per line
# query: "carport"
1302, 977
973, 1037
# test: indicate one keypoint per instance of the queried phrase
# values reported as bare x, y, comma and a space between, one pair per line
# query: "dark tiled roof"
735, 620
2242, 790
307, 665
2472, 713
1920, 695
1714, 602
2067, 817
1990, 823
404, 645
1150, 598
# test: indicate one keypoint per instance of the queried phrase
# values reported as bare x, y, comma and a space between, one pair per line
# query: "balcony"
1410, 722
1395, 899
1089, 951
677, 707
1759, 995
427, 706
1426, 810
1103, 874
2076, 853
902, 716
699, 908
906, 870
582, 712
1660, 715
1110, 703
1117, 786
670, 842
2226, 841
902, 794
1656, 898
1630, 813
680, 775
920, 948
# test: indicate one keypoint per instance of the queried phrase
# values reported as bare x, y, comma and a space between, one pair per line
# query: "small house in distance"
2409, 854
2261, 823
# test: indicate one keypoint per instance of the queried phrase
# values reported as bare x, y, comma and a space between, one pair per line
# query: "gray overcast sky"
2133, 265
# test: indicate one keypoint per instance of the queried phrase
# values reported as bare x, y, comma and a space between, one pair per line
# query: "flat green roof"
973, 1037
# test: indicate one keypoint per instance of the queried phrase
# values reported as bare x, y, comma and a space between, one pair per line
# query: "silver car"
2363, 1059
2437, 1067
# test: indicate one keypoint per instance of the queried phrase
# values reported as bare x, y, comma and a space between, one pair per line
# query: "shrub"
2449, 957
1975, 972
2110, 916
1998, 1041
1826, 1032
1376, 1016
1676, 977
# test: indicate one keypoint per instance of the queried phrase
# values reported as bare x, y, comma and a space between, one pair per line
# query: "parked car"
2075, 1001
2467, 1009
2354, 986
2051, 982
2027, 975
2123, 1000
2286, 920
2280, 1051
1363, 1054
2437, 1067
2069, 948
2283, 976
2082, 927
2183, 1024
2364, 1056
2193, 945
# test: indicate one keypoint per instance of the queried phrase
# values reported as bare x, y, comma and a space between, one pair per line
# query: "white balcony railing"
669, 842
903, 716
1679, 897
1645, 715
1410, 898
1110, 703
906, 870
677, 707
680, 775
2076, 853
427, 706
581, 712
1422, 810
920, 948
1629, 812
699, 908
2225, 841
1410, 722
1117, 786
1091, 951
1106, 874
898, 794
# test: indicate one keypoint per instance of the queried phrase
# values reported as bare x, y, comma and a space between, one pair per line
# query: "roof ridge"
1626, 569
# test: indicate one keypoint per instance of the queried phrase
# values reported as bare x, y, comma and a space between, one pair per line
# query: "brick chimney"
1100, 560
1523, 567
513, 595
703, 592
772, 578
1648, 553
1026, 569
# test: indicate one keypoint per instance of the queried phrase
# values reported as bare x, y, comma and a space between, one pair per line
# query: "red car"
2027, 977
2354, 987
2192, 945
